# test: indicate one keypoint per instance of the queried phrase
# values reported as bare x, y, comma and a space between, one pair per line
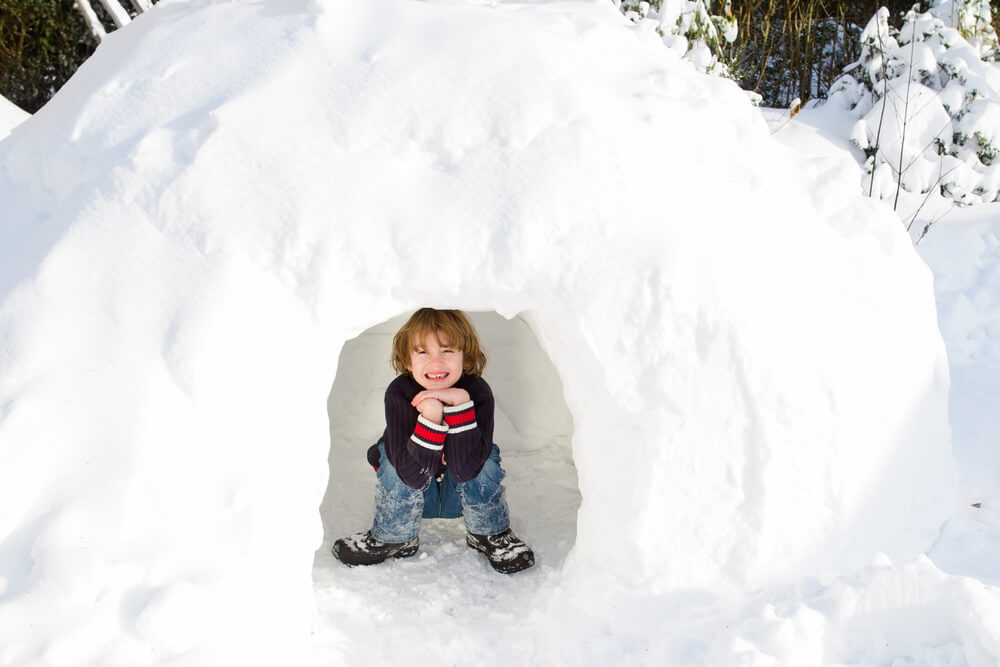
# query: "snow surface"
722, 389
11, 116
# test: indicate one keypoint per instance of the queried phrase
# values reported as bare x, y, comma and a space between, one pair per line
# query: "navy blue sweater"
416, 447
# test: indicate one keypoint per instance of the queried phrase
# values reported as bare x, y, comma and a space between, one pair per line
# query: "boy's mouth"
435, 376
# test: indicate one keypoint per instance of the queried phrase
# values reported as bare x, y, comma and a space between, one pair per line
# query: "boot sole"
350, 561
407, 552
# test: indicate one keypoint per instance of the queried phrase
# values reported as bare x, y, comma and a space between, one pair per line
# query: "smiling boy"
436, 458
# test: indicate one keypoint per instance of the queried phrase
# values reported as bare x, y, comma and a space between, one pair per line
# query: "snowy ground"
964, 253
155, 169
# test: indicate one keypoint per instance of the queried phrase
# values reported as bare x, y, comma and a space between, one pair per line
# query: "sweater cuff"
460, 418
428, 434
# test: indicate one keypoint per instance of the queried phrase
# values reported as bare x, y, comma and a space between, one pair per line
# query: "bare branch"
930, 191
906, 106
881, 117
928, 226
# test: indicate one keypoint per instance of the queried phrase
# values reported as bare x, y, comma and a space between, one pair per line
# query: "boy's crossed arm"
430, 403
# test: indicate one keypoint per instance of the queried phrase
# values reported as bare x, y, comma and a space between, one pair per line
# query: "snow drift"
227, 192
11, 116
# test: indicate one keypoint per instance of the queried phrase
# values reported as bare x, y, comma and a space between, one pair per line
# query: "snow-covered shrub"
928, 115
689, 28
974, 20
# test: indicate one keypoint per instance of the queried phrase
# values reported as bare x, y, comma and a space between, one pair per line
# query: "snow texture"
734, 379
11, 116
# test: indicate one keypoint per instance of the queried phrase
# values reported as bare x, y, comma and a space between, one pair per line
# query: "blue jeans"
398, 508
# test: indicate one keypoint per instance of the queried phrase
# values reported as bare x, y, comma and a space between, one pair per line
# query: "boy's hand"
450, 396
431, 408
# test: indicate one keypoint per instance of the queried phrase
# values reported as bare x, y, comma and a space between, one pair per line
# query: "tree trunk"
115, 10
90, 17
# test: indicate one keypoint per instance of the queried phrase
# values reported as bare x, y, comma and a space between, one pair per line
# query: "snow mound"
226, 193
11, 116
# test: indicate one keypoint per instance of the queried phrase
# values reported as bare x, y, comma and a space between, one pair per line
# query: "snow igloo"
226, 194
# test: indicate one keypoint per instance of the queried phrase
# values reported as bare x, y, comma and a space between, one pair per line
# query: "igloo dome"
226, 194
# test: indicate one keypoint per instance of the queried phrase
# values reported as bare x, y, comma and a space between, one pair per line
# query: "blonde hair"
450, 326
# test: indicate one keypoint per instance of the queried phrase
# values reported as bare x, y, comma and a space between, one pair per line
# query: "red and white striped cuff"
428, 434
460, 418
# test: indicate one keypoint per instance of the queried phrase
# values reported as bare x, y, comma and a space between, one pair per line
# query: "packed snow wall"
11, 116
227, 192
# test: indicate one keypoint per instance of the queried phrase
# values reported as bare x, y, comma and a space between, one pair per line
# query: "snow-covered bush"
972, 18
689, 28
929, 114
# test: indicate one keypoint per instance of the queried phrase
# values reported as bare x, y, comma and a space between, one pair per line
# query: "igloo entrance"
533, 429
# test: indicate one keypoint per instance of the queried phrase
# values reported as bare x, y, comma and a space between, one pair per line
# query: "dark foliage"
790, 49
42, 42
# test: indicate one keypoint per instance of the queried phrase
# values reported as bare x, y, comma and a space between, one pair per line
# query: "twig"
885, 94
927, 197
927, 227
906, 106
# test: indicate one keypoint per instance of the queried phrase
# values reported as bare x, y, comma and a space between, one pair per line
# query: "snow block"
227, 192
11, 116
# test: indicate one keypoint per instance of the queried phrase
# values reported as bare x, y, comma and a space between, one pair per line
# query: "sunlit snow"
722, 389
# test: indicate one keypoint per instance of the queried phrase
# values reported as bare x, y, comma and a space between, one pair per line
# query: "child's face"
434, 363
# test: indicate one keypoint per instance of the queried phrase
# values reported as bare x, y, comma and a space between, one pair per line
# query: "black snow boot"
363, 549
505, 551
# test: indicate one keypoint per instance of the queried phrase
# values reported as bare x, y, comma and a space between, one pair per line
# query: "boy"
436, 457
